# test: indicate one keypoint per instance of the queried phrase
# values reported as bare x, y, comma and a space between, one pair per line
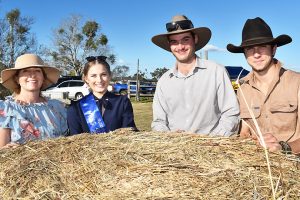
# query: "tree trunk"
12, 46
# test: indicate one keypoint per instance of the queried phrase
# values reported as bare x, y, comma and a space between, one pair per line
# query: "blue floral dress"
35, 121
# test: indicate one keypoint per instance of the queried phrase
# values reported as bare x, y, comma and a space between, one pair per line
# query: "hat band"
258, 40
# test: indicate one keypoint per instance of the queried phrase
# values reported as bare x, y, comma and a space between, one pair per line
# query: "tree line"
72, 41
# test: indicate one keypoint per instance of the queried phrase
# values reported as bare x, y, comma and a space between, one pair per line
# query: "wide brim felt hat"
28, 61
257, 32
203, 33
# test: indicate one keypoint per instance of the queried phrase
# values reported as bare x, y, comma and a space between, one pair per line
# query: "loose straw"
261, 139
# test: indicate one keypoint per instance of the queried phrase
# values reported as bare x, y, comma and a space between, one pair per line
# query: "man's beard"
265, 68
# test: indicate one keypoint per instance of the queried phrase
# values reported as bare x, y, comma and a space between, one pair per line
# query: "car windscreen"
76, 83
234, 72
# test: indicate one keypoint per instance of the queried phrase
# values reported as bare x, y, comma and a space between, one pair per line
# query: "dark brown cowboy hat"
255, 32
181, 24
27, 61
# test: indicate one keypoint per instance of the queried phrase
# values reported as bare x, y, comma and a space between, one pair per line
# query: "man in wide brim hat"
181, 24
185, 94
270, 91
51, 74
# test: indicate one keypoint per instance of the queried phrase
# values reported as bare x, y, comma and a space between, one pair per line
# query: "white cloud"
210, 47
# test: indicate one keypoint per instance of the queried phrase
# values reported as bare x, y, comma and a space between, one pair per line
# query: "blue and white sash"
92, 114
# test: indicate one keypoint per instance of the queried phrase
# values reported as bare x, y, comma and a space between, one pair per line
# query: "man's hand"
10, 145
179, 131
271, 142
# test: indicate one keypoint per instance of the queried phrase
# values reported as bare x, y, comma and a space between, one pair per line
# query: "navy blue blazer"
118, 114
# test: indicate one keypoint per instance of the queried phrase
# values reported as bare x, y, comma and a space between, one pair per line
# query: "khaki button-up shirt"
277, 111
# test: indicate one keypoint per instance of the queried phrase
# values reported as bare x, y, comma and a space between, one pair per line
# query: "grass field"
142, 115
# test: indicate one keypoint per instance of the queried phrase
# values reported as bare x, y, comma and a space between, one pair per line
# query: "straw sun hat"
181, 24
27, 61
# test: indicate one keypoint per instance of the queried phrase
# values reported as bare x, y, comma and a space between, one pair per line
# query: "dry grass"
143, 115
145, 165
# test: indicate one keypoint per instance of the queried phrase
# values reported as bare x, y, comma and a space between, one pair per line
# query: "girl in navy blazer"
100, 111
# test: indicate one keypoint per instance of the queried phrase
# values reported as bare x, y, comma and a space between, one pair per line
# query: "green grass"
142, 115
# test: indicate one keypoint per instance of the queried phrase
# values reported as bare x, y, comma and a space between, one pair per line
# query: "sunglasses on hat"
93, 58
184, 24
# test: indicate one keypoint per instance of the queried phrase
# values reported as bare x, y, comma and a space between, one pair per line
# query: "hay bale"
145, 165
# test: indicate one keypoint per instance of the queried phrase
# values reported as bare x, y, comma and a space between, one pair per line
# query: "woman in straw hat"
100, 111
26, 115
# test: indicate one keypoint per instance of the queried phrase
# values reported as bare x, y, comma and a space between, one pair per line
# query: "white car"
71, 89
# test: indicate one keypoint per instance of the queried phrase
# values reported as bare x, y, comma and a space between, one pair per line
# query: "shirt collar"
105, 96
103, 101
250, 78
199, 64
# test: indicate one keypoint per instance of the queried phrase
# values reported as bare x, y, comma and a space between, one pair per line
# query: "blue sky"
130, 24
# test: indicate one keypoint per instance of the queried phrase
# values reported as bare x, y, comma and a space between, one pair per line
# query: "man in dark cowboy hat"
270, 90
196, 95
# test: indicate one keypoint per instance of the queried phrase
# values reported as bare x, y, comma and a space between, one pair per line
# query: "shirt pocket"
284, 115
245, 114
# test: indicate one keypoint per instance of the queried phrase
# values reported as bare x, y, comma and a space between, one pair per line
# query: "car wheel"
78, 96
123, 92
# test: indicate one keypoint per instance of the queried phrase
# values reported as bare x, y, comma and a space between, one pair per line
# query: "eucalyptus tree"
15, 36
74, 40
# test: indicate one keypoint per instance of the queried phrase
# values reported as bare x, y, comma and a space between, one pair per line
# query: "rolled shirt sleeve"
160, 120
